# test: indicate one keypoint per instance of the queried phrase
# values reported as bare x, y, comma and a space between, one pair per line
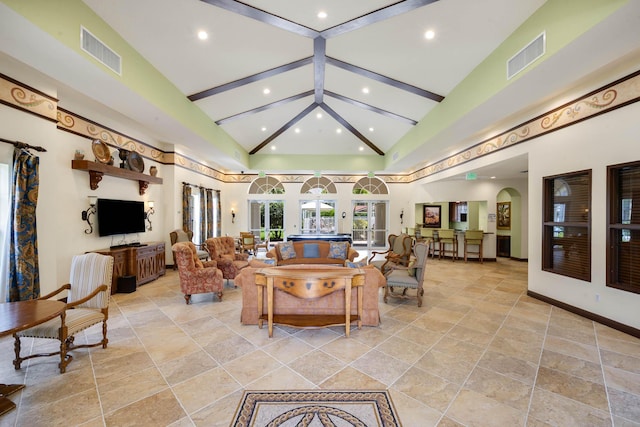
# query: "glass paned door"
370, 224
318, 217
266, 218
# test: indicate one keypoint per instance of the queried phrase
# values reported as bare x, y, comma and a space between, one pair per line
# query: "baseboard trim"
587, 314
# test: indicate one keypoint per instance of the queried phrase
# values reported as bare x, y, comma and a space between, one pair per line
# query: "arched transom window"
266, 185
370, 186
318, 185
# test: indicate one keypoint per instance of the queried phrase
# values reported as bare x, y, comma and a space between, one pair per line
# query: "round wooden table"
17, 316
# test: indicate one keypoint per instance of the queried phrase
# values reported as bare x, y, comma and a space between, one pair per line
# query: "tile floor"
478, 353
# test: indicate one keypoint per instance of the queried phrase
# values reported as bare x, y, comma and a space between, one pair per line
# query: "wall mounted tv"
120, 217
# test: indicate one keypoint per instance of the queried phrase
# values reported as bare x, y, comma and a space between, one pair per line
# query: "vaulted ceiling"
349, 84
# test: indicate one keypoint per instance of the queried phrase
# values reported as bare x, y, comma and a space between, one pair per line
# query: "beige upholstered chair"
402, 278
473, 238
448, 237
398, 253
89, 289
196, 277
262, 244
178, 235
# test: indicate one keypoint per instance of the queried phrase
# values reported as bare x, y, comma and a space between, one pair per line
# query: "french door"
266, 218
370, 224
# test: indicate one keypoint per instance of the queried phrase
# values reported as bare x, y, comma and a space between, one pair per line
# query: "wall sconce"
344, 215
402, 216
233, 216
148, 213
86, 215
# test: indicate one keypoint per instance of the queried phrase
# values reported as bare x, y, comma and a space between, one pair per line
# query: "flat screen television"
120, 217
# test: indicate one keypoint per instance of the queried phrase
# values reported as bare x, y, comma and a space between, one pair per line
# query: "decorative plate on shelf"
135, 162
101, 151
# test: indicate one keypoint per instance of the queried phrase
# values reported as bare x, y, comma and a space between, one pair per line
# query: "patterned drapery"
24, 273
203, 215
219, 219
187, 218
209, 214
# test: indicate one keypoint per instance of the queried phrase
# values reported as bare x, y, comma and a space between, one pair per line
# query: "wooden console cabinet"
147, 263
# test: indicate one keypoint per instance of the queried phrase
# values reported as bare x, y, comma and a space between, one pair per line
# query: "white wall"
594, 144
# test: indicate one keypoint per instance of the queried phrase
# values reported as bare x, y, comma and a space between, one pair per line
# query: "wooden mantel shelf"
97, 170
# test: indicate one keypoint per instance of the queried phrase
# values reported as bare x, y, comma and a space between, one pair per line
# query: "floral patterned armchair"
223, 251
196, 277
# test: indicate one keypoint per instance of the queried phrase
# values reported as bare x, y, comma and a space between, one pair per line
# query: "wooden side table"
17, 316
309, 283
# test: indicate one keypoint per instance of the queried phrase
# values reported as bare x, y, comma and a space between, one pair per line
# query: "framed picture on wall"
431, 216
504, 216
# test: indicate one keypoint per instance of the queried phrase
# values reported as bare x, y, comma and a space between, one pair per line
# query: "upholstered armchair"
223, 251
401, 278
398, 253
88, 293
196, 277
180, 235
247, 242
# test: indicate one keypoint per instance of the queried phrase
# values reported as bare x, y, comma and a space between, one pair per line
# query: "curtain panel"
187, 218
24, 273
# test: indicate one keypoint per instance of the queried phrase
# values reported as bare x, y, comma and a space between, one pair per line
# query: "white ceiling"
239, 47
393, 47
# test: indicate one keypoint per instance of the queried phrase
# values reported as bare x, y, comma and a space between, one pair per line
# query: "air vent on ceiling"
526, 56
100, 51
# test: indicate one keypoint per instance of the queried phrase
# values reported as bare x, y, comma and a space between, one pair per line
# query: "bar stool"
426, 236
435, 247
448, 237
473, 238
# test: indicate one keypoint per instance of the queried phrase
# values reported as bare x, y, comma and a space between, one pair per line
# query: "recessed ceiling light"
429, 34
297, 130
365, 90
266, 91
493, 177
338, 130
264, 129
361, 148
202, 35
322, 14
273, 148
319, 115
370, 129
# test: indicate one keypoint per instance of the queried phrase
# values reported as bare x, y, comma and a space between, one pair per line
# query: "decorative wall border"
25, 98
615, 95
622, 92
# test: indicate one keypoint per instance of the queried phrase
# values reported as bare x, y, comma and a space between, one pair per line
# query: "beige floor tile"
159, 409
500, 387
474, 409
587, 392
168, 363
558, 410
573, 366
621, 361
431, 390
218, 414
316, 366
346, 350
251, 366
138, 385
414, 413
199, 392
380, 366
350, 378
184, 368
510, 366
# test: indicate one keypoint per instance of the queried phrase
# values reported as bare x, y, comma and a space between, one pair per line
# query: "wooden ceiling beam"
351, 129
286, 126
371, 108
265, 107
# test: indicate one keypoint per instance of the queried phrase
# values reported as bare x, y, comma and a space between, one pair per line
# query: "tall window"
566, 239
623, 228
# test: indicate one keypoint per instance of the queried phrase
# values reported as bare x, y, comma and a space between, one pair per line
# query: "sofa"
288, 304
223, 251
312, 252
